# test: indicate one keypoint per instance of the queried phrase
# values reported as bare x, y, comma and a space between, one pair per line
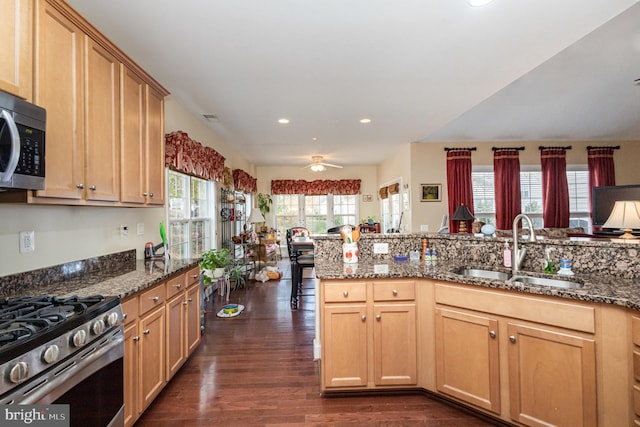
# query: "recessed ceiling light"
314, 139
283, 121
365, 121
477, 3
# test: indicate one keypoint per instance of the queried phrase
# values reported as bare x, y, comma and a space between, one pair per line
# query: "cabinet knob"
80, 186
395, 292
92, 188
512, 338
145, 194
185, 302
136, 338
345, 293
378, 317
124, 316
155, 299
364, 317
492, 334
146, 331
190, 299
150, 194
178, 285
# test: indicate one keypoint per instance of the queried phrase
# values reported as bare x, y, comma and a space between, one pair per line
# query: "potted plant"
213, 263
237, 275
264, 204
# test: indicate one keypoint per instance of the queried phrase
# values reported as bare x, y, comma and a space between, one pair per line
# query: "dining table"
299, 245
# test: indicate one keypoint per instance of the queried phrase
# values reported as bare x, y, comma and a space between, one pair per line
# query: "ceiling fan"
318, 165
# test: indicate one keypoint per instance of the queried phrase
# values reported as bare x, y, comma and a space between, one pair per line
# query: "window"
531, 191
189, 212
391, 209
317, 213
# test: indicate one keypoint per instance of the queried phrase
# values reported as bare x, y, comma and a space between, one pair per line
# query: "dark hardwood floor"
257, 369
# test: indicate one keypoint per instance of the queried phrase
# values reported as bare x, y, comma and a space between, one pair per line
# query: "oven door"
90, 382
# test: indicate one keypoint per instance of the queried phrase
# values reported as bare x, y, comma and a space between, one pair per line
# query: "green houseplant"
213, 263
264, 203
237, 275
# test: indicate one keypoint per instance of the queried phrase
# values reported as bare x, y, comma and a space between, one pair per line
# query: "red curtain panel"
459, 184
506, 170
555, 189
601, 168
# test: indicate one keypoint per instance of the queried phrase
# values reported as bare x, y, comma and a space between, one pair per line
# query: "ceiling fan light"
317, 168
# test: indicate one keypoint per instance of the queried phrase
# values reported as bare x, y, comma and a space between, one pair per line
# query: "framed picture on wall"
430, 192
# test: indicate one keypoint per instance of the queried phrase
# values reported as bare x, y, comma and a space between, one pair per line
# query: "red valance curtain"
186, 155
459, 185
317, 187
506, 171
555, 189
601, 168
244, 182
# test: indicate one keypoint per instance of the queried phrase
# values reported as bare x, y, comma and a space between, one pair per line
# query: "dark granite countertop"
596, 288
120, 280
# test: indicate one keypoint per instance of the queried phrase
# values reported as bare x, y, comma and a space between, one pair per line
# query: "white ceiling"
422, 70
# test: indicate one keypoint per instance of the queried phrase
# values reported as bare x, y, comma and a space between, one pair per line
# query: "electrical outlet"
424, 227
27, 241
381, 269
140, 228
124, 230
380, 248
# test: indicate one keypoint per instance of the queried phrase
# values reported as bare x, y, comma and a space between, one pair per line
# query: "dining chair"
299, 261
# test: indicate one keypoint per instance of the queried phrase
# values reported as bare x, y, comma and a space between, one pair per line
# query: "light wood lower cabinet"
369, 334
548, 373
183, 319
162, 328
468, 365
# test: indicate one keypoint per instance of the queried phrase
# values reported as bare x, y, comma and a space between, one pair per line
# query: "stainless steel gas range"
64, 351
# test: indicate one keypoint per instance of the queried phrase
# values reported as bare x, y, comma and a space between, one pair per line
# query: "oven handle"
15, 146
79, 367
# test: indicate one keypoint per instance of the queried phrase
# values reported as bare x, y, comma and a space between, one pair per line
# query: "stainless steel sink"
541, 281
483, 274
507, 277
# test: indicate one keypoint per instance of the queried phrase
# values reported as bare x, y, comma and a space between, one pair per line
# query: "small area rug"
230, 310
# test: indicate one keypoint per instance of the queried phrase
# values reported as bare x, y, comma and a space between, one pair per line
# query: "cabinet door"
155, 148
16, 67
133, 116
394, 343
59, 89
552, 377
102, 123
192, 319
131, 339
344, 349
176, 355
467, 361
152, 356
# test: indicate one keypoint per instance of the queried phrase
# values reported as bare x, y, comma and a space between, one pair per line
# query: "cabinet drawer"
345, 292
193, 276
176, 285
130, 310
152, 298
394, 291
635, 330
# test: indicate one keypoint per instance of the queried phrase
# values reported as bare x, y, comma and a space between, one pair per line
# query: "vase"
350, 253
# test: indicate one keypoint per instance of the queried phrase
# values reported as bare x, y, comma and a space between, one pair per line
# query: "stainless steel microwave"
22, 136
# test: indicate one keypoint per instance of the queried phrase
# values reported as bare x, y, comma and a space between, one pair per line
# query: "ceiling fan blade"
331, 165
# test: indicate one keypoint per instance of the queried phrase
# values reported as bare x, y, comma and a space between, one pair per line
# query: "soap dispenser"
506, 255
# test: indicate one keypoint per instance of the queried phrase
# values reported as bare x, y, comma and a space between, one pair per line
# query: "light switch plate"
380, 248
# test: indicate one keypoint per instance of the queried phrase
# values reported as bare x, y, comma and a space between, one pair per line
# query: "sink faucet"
518, 254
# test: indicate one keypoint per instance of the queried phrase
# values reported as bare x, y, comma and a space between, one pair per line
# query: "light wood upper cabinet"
59, 89
102, 124
133, 122
155, 147
16, 49
105, 115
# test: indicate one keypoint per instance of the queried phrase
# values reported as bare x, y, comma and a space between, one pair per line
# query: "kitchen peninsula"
524, 354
